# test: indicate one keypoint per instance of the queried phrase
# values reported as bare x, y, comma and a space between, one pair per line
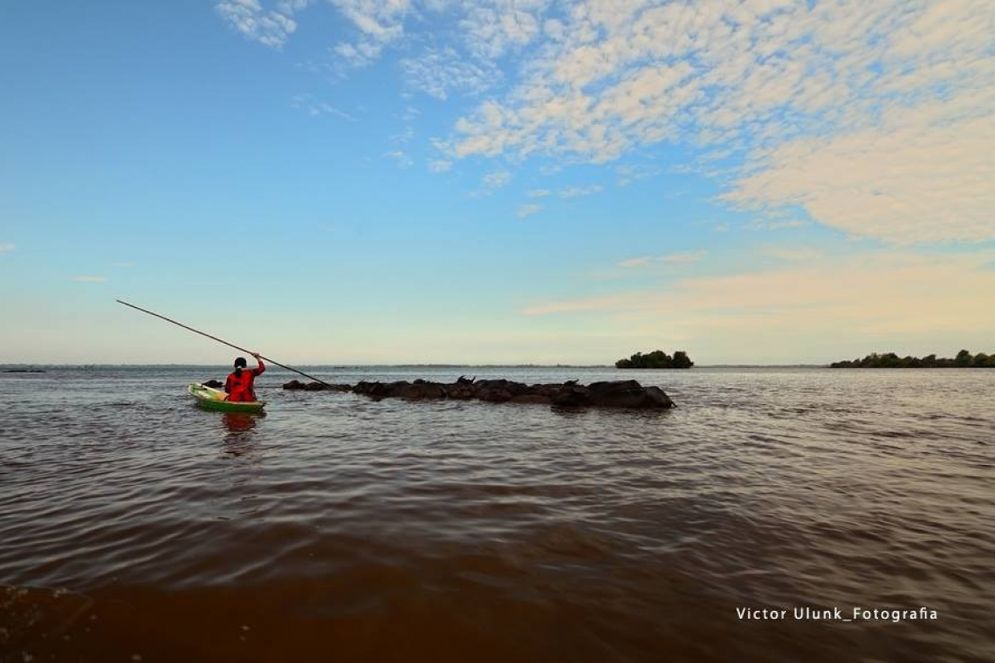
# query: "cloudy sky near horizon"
378, 181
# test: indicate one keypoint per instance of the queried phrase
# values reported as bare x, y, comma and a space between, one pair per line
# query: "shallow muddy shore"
627, 394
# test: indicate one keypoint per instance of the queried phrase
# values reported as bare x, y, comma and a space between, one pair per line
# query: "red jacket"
239, 387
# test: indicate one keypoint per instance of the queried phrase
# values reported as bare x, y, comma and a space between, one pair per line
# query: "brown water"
136, 527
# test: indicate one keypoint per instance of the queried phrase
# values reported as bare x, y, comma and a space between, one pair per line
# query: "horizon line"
422, 365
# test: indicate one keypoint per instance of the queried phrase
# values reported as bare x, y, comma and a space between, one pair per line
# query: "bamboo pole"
220, 340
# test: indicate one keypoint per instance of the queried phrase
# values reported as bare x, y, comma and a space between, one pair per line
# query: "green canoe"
214, 399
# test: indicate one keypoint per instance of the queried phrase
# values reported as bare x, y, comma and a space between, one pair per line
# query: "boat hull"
214, 399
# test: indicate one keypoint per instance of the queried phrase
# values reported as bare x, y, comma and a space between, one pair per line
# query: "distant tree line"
656, 359
964, 359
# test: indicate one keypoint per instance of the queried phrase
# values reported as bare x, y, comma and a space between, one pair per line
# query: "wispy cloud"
406, 135
439, 72
670, 259
316, 108
538, 193
641, 261
379, 23
793, 253
486, 31
917, 183
497, 179
836, 106
685, 258
270, 28
862, 296
86, 278
875, 118
400, 157
525, 211
439, 165
493, 27
580, 191
629, 173
775, 224
6, 248
410, 113
292, 6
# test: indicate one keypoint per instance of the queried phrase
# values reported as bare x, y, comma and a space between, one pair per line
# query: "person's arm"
228, 385
259, 370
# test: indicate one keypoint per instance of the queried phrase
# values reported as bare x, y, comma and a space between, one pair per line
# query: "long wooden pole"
220, 340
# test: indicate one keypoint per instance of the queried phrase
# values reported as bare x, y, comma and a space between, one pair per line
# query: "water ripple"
133, 523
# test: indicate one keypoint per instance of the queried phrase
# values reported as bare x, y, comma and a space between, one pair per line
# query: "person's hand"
255, 354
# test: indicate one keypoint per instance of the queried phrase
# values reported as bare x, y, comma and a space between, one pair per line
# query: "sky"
498, 181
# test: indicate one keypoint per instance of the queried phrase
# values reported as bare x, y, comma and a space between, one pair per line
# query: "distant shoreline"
19, 366
964, 359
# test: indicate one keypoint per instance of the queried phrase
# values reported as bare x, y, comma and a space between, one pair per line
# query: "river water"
134, 526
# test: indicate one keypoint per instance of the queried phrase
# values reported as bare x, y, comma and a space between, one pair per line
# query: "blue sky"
377, 181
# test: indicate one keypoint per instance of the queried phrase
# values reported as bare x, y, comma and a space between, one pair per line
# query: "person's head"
240, 363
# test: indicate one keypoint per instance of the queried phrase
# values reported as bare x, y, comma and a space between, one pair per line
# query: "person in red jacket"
238, 386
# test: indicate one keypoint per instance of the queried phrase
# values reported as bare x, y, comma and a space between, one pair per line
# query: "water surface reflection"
135, 524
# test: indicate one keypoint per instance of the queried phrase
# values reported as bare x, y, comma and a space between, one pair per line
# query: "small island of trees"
656, 359
964, 359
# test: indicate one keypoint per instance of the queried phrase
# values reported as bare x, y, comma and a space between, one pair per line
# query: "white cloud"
641, 261
6, 248
775, 224
316, 108
875, 117
440, 71
525, 211
580, 191
379, 19
793, 253
359, 54
627, 173
400, 157
895, 96
685, 258
913, 184
487, 29
493, 27
292, 6
405, 136
270, 28
497, 179
439, 165
379, 22
865, 299
86, 278
538, 193
410, 114
671, 259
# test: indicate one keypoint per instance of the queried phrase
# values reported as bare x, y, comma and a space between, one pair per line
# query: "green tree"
889, 360
656, 359
964, 359
681, 360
